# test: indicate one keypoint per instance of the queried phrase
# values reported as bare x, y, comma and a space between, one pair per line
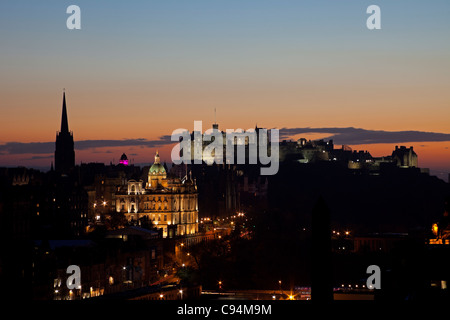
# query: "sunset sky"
137, 70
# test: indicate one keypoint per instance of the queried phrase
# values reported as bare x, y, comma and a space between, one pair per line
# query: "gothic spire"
64, 122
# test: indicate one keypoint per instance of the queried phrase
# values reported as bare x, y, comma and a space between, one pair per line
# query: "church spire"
64, 151
64, 122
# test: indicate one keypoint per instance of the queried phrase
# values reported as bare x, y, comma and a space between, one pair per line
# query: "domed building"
157, 175
170, 203
123, 160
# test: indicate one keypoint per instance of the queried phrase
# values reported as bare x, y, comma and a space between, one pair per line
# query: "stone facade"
171, 204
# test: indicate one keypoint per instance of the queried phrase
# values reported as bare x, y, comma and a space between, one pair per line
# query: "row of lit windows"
185, 217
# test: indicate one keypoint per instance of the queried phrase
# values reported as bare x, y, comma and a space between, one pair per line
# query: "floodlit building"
405, 157
169, 203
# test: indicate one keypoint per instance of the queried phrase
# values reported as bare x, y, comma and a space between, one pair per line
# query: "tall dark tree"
322, 271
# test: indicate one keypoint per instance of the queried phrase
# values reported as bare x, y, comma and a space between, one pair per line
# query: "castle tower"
64, 151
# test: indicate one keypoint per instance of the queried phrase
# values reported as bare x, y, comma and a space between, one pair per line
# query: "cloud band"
347, 136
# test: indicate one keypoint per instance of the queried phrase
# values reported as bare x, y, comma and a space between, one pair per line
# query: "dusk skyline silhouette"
134, 73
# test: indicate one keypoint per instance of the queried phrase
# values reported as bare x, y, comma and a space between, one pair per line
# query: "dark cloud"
28, 147
349, 136
352, 135
49, 147
90, 144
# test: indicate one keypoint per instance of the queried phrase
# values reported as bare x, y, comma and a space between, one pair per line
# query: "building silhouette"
64, 152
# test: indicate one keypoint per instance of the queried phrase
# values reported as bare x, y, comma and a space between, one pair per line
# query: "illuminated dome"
157, 167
